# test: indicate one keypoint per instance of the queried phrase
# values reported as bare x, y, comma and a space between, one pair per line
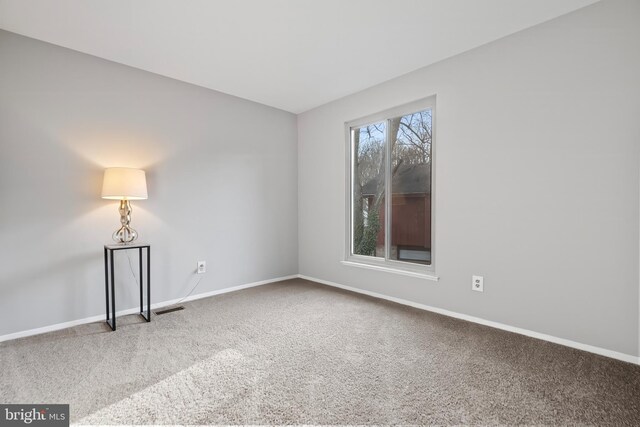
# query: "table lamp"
124, 184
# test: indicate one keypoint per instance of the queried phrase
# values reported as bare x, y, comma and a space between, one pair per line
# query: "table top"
133, 245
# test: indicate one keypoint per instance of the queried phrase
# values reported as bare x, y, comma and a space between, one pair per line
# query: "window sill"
409, 273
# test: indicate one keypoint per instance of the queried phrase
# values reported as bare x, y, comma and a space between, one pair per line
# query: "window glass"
410, 222
368, 186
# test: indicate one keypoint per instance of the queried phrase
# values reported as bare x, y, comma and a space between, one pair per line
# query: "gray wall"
537, 183
221, 174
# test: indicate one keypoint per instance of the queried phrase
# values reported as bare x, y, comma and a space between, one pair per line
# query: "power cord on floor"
138, 283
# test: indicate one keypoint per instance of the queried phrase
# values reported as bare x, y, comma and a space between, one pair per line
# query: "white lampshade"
124, 184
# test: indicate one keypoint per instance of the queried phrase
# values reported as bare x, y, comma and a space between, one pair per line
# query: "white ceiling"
290, 54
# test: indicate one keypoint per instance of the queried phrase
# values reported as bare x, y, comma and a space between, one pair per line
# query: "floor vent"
169, 310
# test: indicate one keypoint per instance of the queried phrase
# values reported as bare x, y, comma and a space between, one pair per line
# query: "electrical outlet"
202, 267
477, 283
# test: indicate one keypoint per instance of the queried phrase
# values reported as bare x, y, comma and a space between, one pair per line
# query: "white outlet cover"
202, 267
477, 283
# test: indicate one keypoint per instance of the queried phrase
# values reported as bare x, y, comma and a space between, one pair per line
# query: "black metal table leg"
148, 283
113, 296
140, 276
147, 317
106, 283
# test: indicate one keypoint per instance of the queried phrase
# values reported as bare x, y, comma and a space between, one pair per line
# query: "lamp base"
125, 234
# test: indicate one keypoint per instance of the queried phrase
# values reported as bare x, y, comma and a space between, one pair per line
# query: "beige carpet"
296, 352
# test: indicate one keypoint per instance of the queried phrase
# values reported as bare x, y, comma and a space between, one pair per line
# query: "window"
390, 188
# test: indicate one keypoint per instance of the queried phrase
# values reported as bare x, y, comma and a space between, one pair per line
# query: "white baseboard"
568, 343
155, 306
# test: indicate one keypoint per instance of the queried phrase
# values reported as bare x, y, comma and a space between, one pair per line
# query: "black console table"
110, 282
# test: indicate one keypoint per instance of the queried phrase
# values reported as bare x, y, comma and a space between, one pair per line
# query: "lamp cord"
190, 292
138, 283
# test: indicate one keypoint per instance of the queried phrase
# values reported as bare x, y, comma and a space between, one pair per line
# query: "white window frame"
387, 264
